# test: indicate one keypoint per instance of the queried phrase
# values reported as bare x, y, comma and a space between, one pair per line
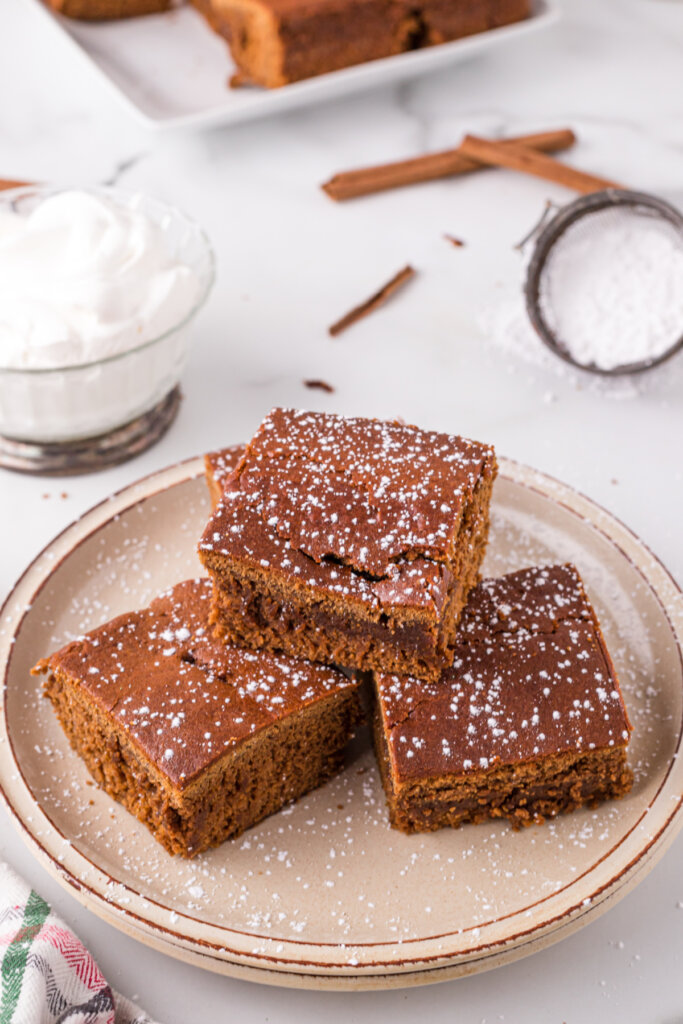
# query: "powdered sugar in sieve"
604, 287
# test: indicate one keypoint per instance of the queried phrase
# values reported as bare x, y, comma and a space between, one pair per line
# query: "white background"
290, 262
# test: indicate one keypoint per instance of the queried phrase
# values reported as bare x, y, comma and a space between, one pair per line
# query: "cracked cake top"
328, 497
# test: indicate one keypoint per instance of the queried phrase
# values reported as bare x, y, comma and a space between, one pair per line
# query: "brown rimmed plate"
325, 894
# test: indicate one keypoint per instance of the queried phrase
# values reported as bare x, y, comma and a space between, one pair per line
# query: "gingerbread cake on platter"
108, 10
275, 42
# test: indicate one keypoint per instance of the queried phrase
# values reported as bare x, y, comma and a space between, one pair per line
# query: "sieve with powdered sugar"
604, 286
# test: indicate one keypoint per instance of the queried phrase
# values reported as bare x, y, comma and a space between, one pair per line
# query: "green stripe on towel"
16, 955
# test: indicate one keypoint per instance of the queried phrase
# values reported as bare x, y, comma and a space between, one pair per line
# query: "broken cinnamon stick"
6, 183
376, 300
431, 166
518, 157
320, 385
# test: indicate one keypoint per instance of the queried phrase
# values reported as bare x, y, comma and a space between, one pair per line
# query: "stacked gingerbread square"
355, 544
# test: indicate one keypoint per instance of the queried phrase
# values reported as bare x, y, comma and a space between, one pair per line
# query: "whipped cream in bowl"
97, 291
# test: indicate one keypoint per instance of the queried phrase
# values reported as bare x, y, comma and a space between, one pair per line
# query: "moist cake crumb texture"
197, 738
349, 540
529, 720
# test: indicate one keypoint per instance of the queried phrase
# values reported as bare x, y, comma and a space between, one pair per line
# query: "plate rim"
544, 14
310, 973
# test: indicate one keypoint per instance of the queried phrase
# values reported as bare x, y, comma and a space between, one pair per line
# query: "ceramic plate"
173, 71
325, 894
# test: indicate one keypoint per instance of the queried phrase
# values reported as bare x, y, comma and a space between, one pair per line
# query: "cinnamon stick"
431, 166
6, 183
376, 300
518, 157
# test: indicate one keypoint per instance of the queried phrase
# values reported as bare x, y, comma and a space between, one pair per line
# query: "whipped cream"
83, 278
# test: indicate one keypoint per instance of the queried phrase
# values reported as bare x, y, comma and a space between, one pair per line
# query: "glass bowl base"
89, 454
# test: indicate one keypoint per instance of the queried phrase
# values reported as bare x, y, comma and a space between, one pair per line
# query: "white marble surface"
291, 261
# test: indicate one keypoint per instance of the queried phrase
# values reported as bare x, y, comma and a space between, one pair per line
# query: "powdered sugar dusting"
279, 881
358, 506
612, 288
183, 696
529, 679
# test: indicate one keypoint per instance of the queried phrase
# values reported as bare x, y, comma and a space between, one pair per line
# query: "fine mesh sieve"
628, 299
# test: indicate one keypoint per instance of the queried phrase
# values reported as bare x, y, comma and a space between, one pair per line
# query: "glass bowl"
75, 417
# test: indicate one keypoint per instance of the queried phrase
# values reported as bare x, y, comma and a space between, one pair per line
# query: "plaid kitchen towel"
46, 975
